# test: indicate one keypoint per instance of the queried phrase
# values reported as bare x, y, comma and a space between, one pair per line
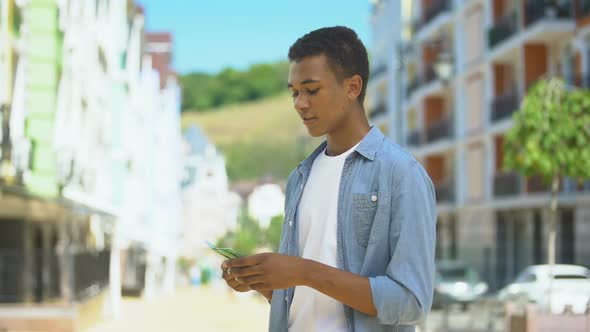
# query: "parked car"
457, 282
565, 285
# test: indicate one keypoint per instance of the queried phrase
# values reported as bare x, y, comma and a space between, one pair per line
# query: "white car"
566, 285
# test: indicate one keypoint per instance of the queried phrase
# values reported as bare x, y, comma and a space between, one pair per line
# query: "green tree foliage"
273, 232
551, 138
202, 92
247, 238
250, 236
551, 133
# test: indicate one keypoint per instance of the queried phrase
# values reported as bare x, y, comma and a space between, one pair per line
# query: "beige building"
455, 125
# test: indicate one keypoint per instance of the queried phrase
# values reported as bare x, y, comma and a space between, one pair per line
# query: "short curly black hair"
342, 47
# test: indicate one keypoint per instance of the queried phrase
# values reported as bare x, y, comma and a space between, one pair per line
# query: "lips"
309, 120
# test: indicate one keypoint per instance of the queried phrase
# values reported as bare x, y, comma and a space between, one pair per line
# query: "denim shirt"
385, 230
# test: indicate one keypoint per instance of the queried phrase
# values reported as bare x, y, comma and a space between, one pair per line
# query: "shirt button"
374, 198
286, 298
290, 223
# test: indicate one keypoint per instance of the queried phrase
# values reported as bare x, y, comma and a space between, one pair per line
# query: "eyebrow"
307, 81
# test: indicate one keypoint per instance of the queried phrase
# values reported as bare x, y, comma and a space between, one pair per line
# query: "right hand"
233, 282
236, 285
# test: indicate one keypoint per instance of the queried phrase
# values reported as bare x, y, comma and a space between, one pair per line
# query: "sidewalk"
209, 309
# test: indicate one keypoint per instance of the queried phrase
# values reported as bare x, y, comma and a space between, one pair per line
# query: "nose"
301, 102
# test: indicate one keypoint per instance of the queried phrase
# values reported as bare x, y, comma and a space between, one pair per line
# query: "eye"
295, 94
313, 92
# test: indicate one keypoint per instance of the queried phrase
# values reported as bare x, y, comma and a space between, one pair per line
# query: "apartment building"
90, 161
455, 122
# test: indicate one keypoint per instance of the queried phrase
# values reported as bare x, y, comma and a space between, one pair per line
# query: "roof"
159, 37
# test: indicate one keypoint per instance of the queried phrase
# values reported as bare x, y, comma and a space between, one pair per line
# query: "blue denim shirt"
386, 232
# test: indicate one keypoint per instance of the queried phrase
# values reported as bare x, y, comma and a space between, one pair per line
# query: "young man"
357, 246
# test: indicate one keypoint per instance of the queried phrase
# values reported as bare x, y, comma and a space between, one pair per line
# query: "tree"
273, 232
551, 138
247, 238
202, 92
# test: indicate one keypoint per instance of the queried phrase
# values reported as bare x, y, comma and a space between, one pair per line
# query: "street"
209, 309
214, 308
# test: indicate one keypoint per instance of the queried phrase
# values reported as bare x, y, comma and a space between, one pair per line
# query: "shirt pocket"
368, 211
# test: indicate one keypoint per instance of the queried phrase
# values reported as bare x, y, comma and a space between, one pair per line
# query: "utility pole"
7, 170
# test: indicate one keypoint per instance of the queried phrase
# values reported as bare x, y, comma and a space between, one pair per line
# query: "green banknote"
228, 253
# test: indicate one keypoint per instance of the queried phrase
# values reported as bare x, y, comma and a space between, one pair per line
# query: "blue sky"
210, 35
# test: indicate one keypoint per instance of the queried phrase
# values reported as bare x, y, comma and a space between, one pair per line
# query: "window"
526, 277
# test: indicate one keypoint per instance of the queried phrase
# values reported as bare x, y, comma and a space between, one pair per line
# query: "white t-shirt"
317, 215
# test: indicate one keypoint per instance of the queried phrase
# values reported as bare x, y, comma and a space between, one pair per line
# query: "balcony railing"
537, 10
536, 184
503, 29
415, 138
506, 184
378, 110
431, 12
504, 106
445, 192
439, 130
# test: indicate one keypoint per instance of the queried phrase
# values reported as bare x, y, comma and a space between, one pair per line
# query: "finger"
260, 287
251, 280
244, 261
237, 286
246, 271
226, 276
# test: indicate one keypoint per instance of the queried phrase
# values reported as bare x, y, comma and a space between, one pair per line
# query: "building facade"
493, 219
210, 208
90, 161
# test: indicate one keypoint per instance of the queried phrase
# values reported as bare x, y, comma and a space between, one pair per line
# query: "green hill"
258, 139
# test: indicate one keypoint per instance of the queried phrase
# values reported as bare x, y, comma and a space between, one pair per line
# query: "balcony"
503, 29
377, 111
439, 130
536, 184
538, 10
445, 192
415, 138
430, 13
504, 106
507, 184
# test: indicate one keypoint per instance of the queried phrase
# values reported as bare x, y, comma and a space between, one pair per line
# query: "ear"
354, 86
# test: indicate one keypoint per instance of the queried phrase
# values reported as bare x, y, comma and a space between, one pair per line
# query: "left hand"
267, 271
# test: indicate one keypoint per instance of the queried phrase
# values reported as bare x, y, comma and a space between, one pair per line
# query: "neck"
349, 133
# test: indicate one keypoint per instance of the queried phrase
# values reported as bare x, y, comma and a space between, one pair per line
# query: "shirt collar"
367, 148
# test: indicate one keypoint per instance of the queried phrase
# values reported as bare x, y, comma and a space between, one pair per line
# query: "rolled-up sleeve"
403, 296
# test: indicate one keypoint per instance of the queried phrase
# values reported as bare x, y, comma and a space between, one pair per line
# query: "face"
319, 98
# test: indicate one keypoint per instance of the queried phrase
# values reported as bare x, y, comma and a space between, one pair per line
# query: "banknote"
228, 253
